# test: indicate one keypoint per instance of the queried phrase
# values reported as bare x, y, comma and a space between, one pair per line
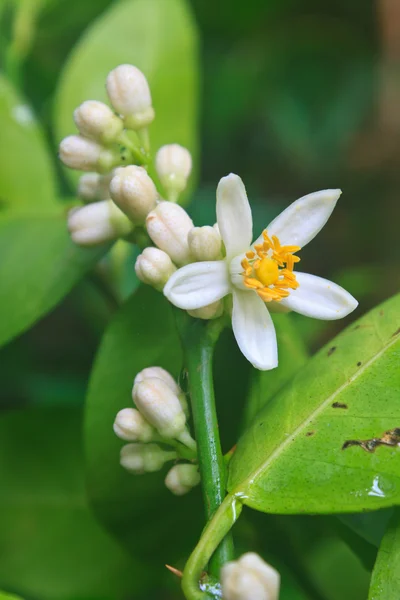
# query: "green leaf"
291, 460
292, 356
138, 509
158, 37
27, 181
39, 265
385, 582
5, 596
51, 546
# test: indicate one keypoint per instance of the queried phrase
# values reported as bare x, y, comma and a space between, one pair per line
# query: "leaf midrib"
243, 487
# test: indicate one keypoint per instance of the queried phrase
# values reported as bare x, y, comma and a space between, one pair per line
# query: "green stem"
199, 338
217, 529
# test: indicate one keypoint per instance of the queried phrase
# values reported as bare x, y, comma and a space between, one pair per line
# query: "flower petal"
198, 284
254, 330
234, 215
300, 222
319, 298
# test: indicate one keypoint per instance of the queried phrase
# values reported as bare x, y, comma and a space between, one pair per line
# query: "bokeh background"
295, 96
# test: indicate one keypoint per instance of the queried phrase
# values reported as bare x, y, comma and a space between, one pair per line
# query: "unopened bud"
173, 166
204, 243
160, 406
182, 478
249, 577
93, 186
161, 373
144, 458
97, 223
131, 426
97, 121
211, 311
133, 190
129, 94
78, 152
168, 226
154, 267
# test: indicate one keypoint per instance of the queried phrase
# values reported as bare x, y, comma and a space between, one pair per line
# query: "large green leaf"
27, 182
138, 509
385, 582
50, 544
157, 36
292, 356
39, 265
291, 460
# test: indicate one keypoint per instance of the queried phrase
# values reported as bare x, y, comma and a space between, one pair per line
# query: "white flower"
129, 93
261, 275
97, 223
250, 577
182, 478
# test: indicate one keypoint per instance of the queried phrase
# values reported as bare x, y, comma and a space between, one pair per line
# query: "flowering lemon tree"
319, 435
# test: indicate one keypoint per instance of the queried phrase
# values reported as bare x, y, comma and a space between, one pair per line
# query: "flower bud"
130, 425
160, 406
93, 186
97, 223
173, 166
161, 373
204, 243
133, 190
154, 267
249, 577
144, 458
211, 311
182, 478
168, 226
78, 152
129, 94
96, 120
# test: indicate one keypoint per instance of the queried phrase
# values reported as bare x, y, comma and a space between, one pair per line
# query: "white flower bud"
161, 373
129, 94
160, 406
182, 478
204, 243
93, 186
78, 152
144, 458
168, 226
211, 311
131, 426
154, 267
96, 120
249, 577
133, 190
173, 166
97, 223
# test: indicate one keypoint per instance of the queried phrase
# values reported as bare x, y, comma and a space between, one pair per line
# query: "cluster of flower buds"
249, 577
160, 417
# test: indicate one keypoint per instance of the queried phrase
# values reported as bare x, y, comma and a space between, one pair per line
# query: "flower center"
268, 269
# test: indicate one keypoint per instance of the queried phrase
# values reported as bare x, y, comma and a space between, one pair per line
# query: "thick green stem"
217, 529
199, 340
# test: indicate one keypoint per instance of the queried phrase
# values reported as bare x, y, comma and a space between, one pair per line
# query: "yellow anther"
267, 271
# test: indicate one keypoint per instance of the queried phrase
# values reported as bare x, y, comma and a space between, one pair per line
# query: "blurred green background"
295, 96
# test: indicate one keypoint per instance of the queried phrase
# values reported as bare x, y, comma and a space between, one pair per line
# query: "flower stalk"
198, 340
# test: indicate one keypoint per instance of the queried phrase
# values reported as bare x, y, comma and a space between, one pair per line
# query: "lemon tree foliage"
328, 442
385, 582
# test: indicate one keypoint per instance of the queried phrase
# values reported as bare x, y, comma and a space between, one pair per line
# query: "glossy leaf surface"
138, 509
39, 265
385, 582
160, 39
51, 545
291, 460
27, 180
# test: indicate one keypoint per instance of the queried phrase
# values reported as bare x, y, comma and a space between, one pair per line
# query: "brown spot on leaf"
359, 363
310, 433
339, 405
396, 332
381, 313
389, 438
331, 350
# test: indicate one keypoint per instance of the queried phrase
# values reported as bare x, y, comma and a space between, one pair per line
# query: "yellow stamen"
268, 269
